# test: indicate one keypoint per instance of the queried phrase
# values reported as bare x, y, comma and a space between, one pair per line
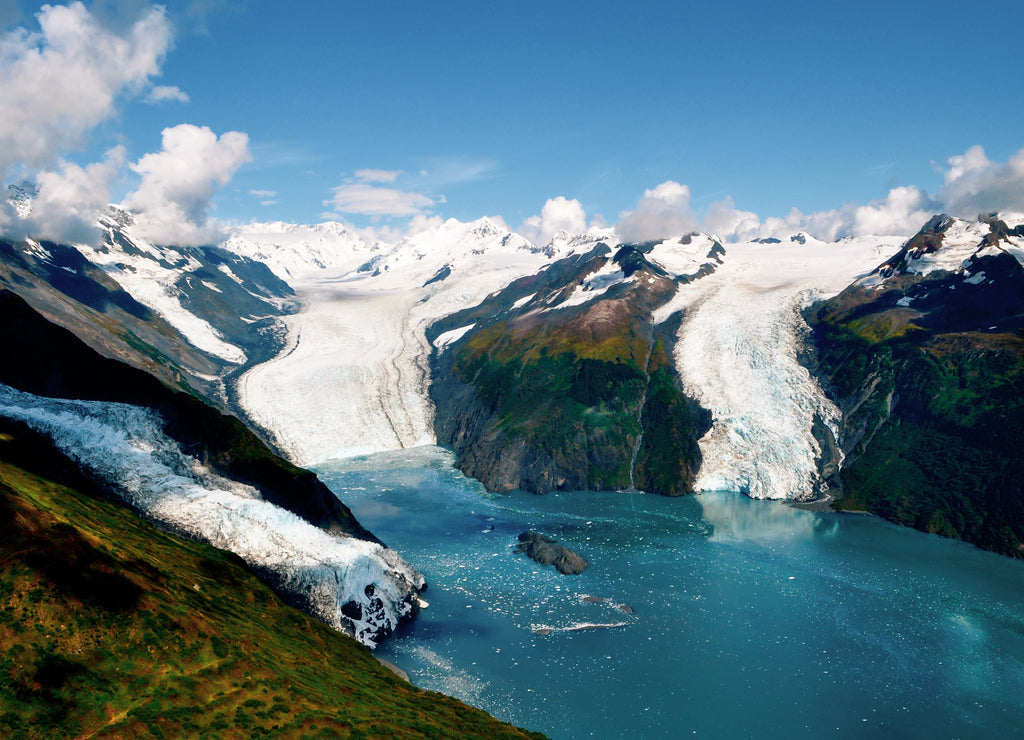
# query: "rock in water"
547, 551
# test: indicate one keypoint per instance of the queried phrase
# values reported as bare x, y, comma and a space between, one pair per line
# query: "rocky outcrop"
546, 551
925, 358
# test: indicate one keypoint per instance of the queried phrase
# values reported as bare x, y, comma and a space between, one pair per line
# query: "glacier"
737, 353
354, 375
353, 378
358, 587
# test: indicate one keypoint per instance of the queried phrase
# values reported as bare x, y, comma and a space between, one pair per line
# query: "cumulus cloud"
174, 197
662, 212
166, 94
665, 211
70, 200
901, 213
904, 211
62, 81
973, 184
392, 234
558, 214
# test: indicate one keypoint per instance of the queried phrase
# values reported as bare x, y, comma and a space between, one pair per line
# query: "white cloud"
558, 214
441, 172
377, 175
173, 199
70, 201
973, 184
662, 212
901, 213
390, 234
266, 197
727, 222
368, 200
166, 94
904, 211
62, 81
665, 211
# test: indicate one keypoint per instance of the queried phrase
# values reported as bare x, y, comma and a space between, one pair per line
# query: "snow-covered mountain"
354, 375
925, 358
295, 252
729, 316
332, 345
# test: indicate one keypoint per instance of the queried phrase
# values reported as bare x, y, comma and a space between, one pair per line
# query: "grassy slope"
576, 401
112, 628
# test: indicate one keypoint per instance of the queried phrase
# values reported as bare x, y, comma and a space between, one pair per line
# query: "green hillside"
112, 628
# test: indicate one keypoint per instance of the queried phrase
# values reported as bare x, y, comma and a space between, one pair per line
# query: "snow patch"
353, 378
151, 280
679, 259
443, 340
593, 286
523, 301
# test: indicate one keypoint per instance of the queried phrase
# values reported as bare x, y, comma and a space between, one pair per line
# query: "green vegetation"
669, 456
570, 394
112, 628
567, 406
47, 360
938, 421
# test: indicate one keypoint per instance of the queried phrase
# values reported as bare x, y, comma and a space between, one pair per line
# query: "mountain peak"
21, 196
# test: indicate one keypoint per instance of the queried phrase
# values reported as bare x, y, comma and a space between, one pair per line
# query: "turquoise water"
726, 617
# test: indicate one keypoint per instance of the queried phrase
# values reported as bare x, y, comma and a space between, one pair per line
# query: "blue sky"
375, 112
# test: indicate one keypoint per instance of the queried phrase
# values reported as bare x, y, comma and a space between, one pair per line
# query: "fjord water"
720, 616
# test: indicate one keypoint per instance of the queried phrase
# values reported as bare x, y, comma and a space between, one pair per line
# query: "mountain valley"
872, 373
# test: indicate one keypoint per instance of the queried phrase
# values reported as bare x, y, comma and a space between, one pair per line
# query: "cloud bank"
974, 185
364, 196
663, 211
60, 83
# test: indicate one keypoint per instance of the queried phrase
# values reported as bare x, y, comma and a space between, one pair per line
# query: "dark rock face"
547, 551
546, 393
928, 370
45, 359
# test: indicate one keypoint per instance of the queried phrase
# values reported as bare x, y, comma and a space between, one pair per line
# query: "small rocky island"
547, 551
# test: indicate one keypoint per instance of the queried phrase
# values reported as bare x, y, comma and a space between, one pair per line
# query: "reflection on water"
742, 618
736, 518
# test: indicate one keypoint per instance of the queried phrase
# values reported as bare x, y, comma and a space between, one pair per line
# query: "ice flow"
125, 446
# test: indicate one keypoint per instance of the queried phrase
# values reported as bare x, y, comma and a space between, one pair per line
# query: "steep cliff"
42, 358
925, 358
